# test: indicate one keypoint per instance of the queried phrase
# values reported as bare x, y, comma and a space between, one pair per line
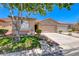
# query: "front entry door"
36, 27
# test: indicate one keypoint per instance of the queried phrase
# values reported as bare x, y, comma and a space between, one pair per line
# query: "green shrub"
30, 42
26, 42
73, 29
5, 44
17, 46
5, 41
38, 31
36, 44
60, 31
70, 32
3, 31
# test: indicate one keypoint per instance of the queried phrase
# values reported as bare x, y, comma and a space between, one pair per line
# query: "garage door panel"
48, 29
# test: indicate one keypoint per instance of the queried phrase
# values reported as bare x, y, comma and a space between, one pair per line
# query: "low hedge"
3, 31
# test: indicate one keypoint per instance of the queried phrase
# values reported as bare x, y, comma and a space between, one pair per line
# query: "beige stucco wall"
6, 25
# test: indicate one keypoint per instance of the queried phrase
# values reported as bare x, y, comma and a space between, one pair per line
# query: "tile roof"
60, 23
2, 21
37, 21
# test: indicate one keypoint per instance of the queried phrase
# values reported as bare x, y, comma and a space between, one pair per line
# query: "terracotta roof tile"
60, 23
1, 20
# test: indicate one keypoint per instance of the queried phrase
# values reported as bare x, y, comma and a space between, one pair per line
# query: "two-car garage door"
48, 29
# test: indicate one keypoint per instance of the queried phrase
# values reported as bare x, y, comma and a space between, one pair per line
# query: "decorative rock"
45, 50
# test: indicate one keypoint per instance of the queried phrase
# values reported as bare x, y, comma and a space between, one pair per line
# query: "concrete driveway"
66, 42
73, 34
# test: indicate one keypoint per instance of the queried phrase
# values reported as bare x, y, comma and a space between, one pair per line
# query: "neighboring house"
30, 25
6, 24
76, 27
64, 27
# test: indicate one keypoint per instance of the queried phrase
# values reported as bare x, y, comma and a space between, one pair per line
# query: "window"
25, 26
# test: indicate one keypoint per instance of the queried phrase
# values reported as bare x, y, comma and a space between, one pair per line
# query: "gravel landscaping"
45, 50
49, 47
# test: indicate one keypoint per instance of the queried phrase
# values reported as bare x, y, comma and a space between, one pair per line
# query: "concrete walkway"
66, 42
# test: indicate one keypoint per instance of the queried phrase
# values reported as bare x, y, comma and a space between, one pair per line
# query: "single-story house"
30, 25
50, 25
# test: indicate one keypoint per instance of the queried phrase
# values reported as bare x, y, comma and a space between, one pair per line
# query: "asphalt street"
72, 52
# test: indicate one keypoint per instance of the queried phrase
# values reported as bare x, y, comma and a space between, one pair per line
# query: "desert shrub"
60, 31
73, 29
70, 32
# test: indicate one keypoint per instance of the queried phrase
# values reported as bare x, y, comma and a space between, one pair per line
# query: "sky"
60, 15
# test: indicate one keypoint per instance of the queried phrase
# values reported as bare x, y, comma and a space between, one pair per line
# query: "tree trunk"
27, 16
18, 23
13, 24
15, 32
